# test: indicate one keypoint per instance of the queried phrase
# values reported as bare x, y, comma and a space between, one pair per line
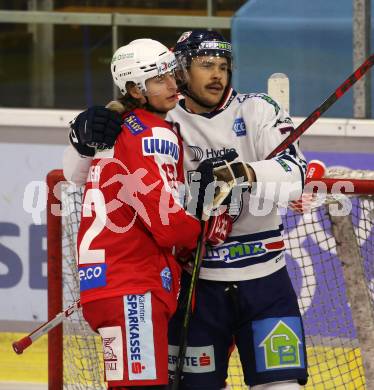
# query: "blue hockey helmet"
202, 43
195, 43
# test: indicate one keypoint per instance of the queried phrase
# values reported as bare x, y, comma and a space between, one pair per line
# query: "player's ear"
134, 91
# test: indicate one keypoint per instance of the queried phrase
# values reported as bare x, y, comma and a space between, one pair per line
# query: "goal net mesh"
333, 349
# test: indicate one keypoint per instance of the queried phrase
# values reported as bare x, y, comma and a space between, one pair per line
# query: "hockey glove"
201, 180
95, 128
219, 227
216, 232
235, 174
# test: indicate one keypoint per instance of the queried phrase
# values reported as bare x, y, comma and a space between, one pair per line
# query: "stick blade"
279, 89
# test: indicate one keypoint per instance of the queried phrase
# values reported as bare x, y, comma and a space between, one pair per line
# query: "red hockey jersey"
132, 216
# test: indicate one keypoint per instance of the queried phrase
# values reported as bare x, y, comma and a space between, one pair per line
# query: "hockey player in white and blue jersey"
244, 294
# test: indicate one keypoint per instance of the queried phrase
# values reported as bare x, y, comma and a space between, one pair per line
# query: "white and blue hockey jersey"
252, 125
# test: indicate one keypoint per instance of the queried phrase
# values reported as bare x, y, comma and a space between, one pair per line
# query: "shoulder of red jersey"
157, 136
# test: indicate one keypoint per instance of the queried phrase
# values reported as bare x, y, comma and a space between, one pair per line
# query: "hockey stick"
188, 312
217, 201
20, 345
336, 95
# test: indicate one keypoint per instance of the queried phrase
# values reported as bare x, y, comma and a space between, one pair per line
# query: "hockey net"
330, 259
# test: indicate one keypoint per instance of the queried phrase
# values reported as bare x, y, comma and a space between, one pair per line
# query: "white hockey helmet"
139, 61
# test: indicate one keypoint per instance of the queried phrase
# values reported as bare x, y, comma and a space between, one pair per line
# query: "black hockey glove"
95, 128
200, 180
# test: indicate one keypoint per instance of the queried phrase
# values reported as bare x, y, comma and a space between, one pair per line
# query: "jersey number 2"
94, 199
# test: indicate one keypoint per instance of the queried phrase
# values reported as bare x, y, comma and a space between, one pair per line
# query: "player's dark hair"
128, 102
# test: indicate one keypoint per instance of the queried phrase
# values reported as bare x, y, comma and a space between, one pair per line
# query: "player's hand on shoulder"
95, 128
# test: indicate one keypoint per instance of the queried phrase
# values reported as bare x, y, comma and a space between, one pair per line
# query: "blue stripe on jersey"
257, 236
245, 261
293, 153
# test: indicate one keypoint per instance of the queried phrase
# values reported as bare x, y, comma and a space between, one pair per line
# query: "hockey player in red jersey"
132, 220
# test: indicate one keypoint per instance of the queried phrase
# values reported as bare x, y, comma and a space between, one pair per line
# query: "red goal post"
54, 267
330, 260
